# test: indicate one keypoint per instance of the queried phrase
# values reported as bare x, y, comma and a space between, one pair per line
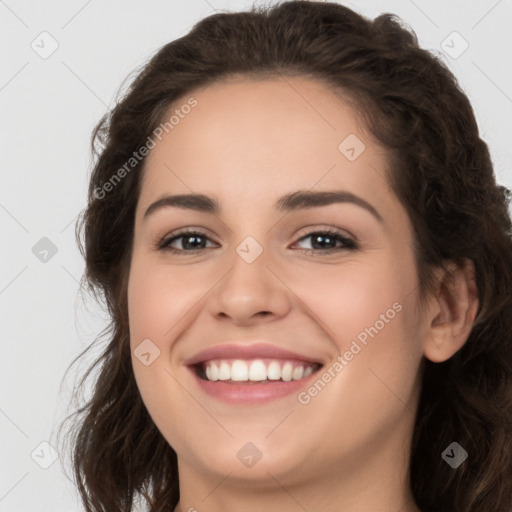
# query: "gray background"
49, 107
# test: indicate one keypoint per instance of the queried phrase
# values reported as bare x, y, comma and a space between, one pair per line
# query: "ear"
453, 311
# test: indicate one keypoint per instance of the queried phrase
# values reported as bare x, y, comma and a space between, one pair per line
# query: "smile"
248, 374
257, 370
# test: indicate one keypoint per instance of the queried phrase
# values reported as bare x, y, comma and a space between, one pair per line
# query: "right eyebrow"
198, 202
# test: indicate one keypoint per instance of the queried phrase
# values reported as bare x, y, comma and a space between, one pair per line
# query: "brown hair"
441, 172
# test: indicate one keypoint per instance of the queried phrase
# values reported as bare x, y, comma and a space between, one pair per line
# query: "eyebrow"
296, 201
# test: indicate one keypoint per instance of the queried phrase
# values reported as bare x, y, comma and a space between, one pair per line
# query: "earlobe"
454, 311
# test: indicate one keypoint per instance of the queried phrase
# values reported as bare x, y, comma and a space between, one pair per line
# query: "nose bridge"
250, 275
250, 286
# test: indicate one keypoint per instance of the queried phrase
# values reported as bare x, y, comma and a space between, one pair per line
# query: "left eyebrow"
295, 201
306, 199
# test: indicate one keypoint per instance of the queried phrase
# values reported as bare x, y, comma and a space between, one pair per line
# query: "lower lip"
251, 393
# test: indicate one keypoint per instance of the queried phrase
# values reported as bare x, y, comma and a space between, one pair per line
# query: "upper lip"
244, 351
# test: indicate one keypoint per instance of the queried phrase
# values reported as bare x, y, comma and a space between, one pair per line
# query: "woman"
307, 260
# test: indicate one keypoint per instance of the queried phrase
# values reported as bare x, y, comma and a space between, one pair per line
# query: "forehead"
264, 137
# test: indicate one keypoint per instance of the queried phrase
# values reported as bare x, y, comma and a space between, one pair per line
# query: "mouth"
240, 374
253, 371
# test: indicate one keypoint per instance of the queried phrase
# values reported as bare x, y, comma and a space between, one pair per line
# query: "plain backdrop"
62, 65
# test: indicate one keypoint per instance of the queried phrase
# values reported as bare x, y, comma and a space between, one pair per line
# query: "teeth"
239, 371
224, 371
298, 372
257, 370
287, 372
274, 371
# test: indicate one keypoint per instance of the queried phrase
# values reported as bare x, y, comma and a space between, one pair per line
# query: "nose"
250, 293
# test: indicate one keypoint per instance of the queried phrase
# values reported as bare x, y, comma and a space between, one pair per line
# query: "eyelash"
349, 245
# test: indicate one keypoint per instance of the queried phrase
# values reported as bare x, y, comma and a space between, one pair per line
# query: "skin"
246, 144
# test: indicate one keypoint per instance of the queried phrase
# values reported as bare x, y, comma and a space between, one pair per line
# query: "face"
317, 295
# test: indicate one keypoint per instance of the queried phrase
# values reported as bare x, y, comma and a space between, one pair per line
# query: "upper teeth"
256, 370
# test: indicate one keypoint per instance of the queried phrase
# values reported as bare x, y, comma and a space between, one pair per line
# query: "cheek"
353, 296
156, 302
157, 297
379, 326
370, 312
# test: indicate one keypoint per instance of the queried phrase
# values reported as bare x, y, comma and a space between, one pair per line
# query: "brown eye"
325, 241
190, 241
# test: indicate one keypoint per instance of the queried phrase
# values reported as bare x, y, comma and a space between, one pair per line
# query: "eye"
193, 241
330, 238
189, 238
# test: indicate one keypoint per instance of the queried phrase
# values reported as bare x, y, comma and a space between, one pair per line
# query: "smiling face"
260, 269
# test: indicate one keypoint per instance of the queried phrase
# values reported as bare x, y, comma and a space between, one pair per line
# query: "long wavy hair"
440, 170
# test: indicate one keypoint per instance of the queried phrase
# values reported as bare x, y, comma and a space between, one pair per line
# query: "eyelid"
314, 228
